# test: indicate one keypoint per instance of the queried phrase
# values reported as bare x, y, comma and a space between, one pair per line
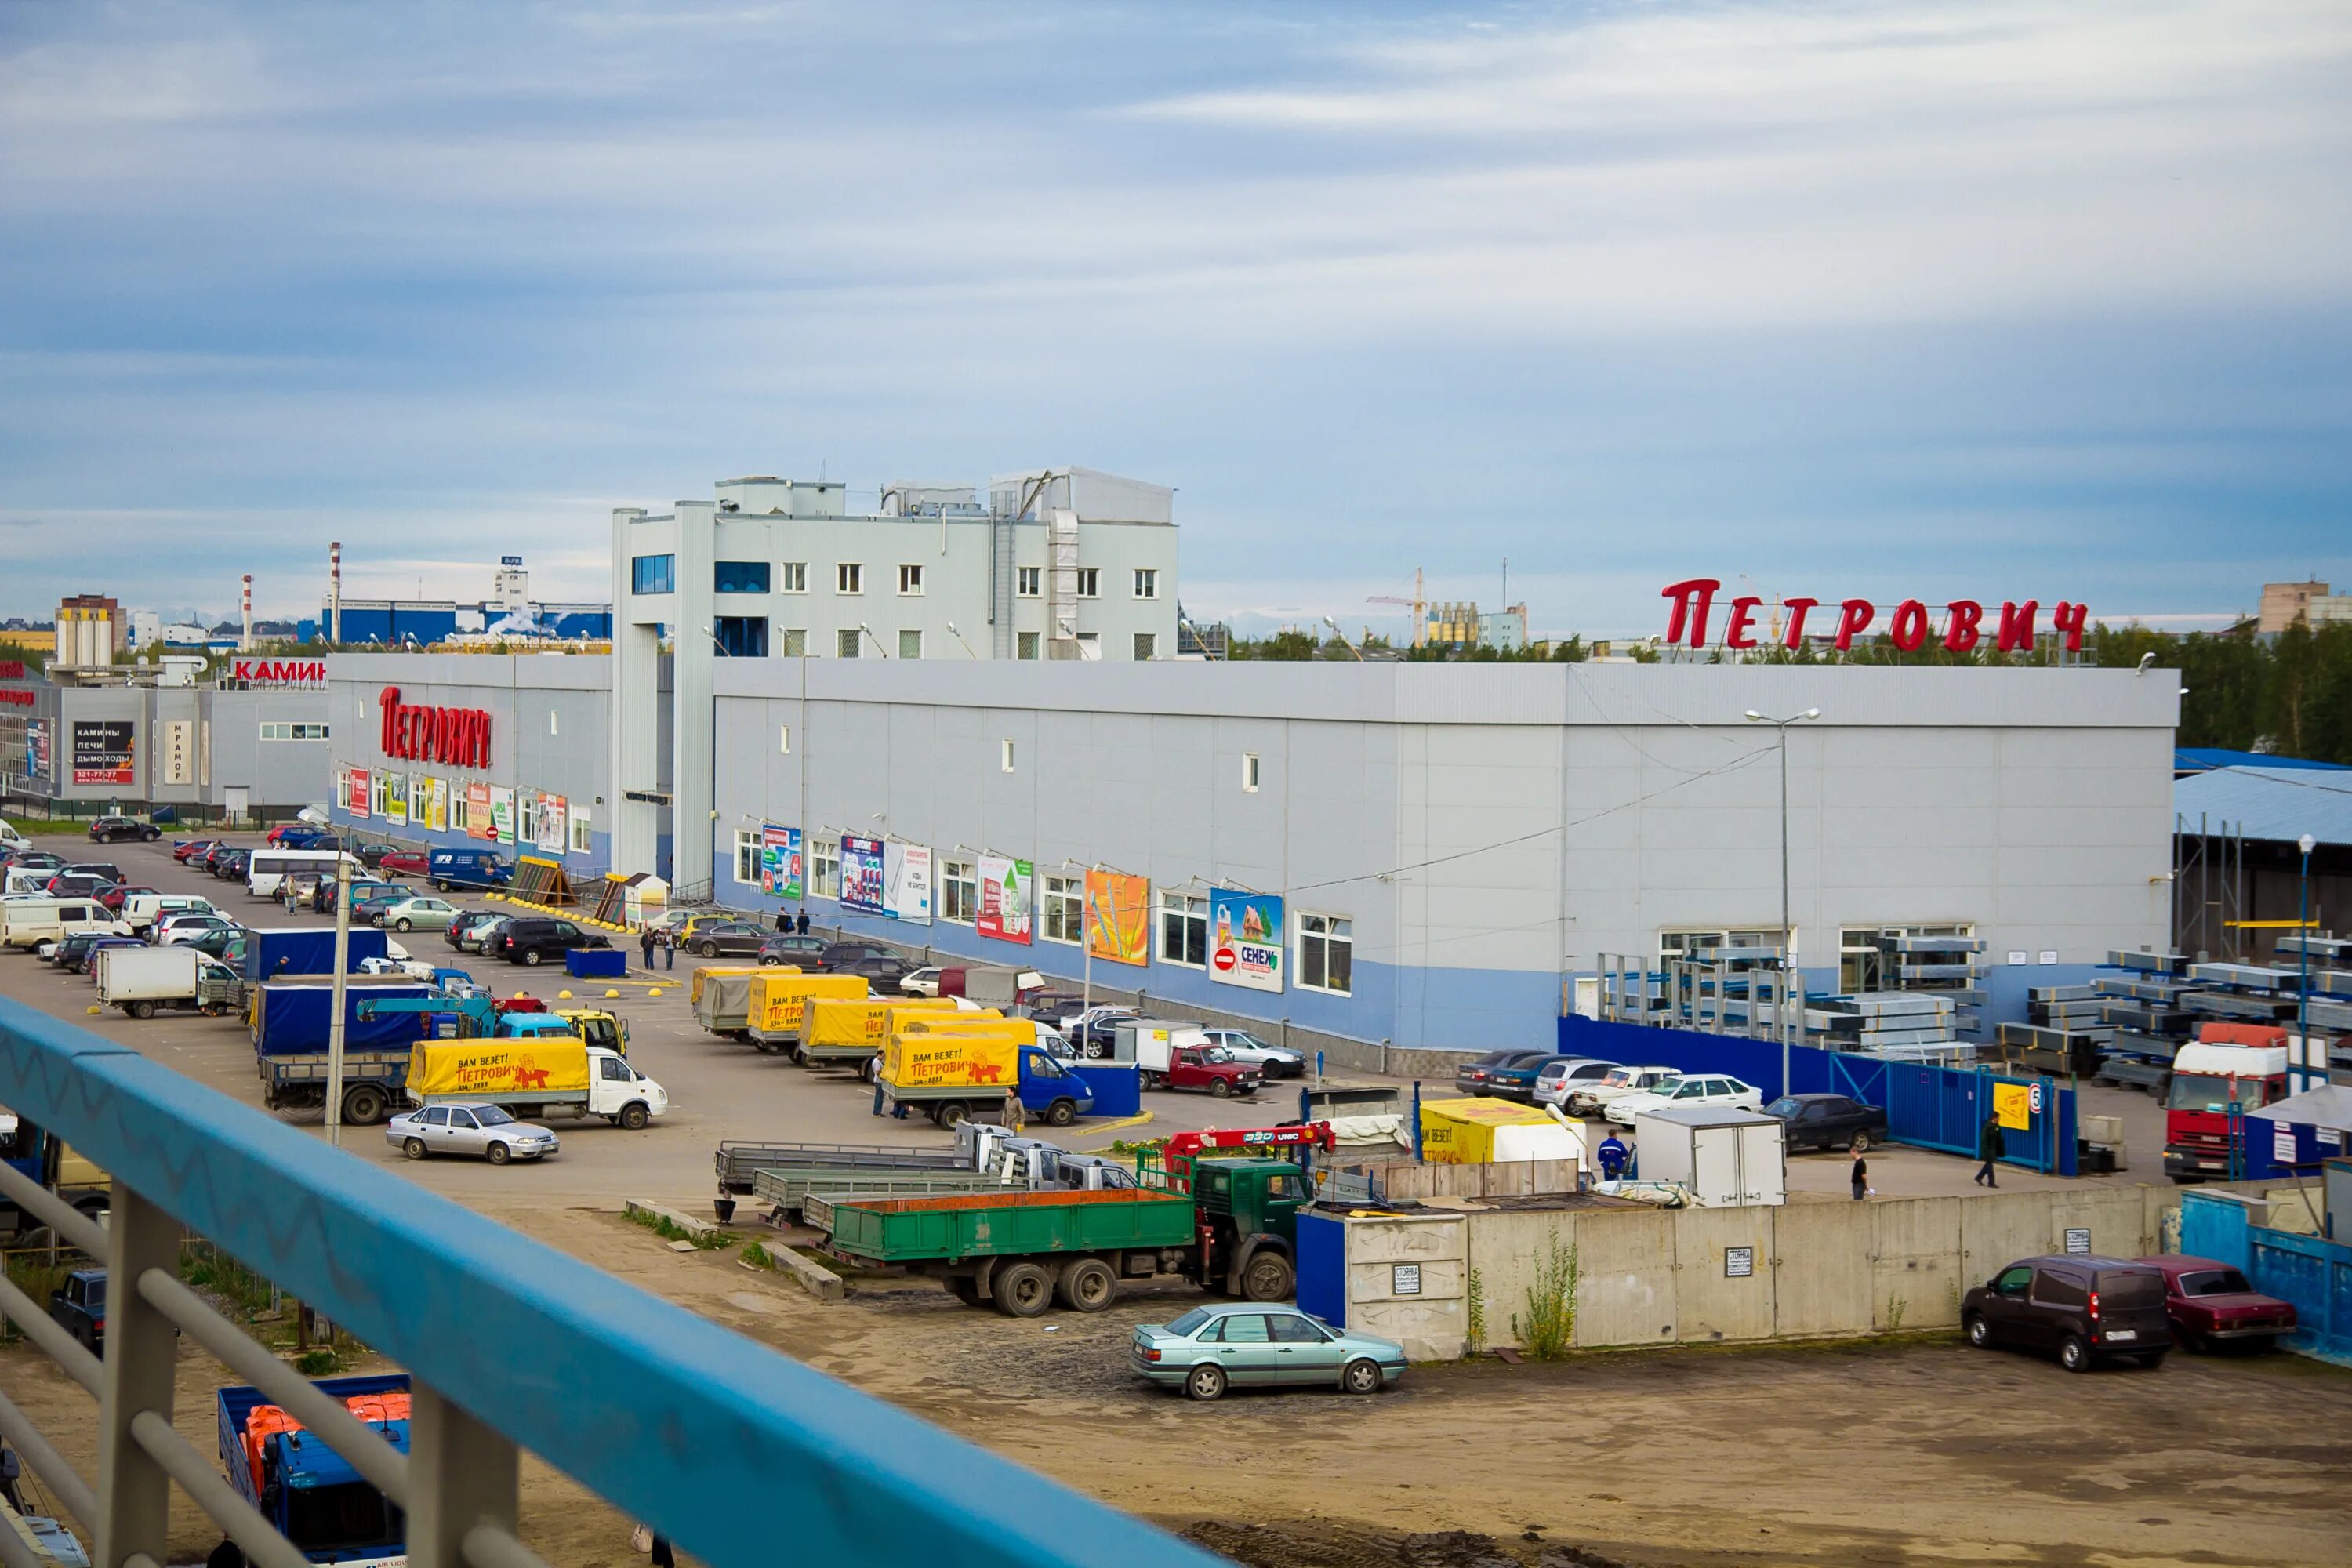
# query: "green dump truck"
1021, 1251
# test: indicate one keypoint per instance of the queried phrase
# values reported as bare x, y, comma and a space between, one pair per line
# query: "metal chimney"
335, 590
244, 633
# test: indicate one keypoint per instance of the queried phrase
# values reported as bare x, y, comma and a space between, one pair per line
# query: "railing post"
461, 1474
135, 1495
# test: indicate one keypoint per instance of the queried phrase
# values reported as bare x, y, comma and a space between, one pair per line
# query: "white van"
12, 839
28, 879
25, 922
140, 910
270, 868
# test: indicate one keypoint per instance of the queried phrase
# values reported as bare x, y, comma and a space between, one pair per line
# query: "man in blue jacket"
1612, 1155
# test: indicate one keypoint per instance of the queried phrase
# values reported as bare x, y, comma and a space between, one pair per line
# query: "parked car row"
2085, 1310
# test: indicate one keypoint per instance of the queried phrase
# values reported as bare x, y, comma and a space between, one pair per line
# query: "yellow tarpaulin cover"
694, 992
847, 1021
1462, 1131
777, 997
551, 1064
972, 1056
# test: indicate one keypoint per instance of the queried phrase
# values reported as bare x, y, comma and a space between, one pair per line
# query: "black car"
533, 940
108, 829
738, 939
71, 948
78, 1307
787, 947
37, 860
77, 885
466, 920
371, 855
231, 866
2081, 1307
105, 868
1828, 1121
869, 959
1477, 1075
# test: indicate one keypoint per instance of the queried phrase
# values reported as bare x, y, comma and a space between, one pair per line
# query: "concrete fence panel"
2117, 1224
1509, 1249
1998, 1229
1626, 1261
1822, 1273
1407, 1280
1723, 1278
1915, 1267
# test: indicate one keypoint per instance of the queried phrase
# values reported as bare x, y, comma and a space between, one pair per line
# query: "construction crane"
1420, 606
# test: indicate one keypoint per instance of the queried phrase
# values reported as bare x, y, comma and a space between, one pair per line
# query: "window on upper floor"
910, 645
848, 577
1146, 583
1029, 582
740, 576
910, 580
653, 575
1089, 582
793, 577
1327, 953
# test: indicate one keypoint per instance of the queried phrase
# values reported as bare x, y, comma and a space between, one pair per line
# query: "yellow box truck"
779, 1003
854, 1030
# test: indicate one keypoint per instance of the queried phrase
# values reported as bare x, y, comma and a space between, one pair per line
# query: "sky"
1981, 300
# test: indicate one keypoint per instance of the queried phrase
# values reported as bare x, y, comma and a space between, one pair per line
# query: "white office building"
1055, 563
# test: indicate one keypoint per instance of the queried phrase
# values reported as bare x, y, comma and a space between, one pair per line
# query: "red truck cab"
2210, 1304
2240, 1063
1206, 1070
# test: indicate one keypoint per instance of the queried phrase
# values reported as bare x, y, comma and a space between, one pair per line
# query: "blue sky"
1979, 300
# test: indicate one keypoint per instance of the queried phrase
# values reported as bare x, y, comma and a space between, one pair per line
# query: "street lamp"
1343, 638
2302, 983
1788, 936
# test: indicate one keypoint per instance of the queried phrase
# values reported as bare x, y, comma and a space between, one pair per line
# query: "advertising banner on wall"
1118, 922
1245, 939
179, 751
780, 862
37, 748
861, 874
906, 882
479, 821
395, 797
502, 816
355, 790
101, 751
437, 819
1006, 885
552, 813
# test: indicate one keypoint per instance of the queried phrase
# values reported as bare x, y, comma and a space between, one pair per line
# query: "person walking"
645, 946
783, 920
1860, 1175
1612, 1155
669, 949
803, 922
1989, 1149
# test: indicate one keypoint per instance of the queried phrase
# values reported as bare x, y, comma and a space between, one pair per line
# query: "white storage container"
1725, 1157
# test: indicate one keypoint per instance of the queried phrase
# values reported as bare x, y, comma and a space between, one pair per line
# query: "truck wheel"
1221, 1089
1268, 1277
363, 1105
1061, 1113
1205, 1382
953, 1113
1022, 1290
634, 1116
413, 1148
1361, 1377
143, 1009
499, 1153
1088, 1284
964, 1289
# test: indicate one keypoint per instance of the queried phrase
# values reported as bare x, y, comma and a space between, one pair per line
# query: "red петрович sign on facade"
1965, 625
458, 736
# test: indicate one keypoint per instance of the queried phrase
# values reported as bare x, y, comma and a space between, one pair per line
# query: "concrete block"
637, 1208
817, 1279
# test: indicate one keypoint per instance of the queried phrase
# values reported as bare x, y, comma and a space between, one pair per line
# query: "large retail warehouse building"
1421, 853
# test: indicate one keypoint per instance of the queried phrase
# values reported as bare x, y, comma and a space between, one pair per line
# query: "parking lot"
1757, 1456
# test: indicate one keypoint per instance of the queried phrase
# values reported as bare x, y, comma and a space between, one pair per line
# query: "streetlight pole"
1781, 1016
2302, 1071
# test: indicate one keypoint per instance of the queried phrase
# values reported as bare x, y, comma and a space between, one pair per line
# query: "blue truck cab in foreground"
449, 869
309, 1493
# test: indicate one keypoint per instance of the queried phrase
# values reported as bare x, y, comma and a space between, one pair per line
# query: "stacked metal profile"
2157, 1002
1944, 966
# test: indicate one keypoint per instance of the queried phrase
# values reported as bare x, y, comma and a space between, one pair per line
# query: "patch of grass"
1895, 1308
34, 827
670, 1230
231, 1284
318, 1363
759, 1256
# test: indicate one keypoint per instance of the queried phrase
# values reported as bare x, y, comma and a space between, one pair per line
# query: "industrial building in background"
92, 630
508, 614
1056, 564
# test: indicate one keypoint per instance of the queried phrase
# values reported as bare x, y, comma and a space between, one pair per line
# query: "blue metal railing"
710, 1437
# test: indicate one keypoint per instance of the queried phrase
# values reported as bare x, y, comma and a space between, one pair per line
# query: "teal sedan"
1211, 1349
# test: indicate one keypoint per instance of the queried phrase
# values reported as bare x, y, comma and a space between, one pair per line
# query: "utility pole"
1781, 1015
339, 1001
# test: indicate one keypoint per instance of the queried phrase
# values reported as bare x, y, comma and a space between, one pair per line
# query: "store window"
740, 576
1185, 930
653, 575
1064, 909
747, 856
1030, 582
959, 892
794, 577
825, 867
1326, 948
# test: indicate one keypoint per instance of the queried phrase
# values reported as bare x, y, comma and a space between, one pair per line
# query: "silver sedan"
469, 1127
